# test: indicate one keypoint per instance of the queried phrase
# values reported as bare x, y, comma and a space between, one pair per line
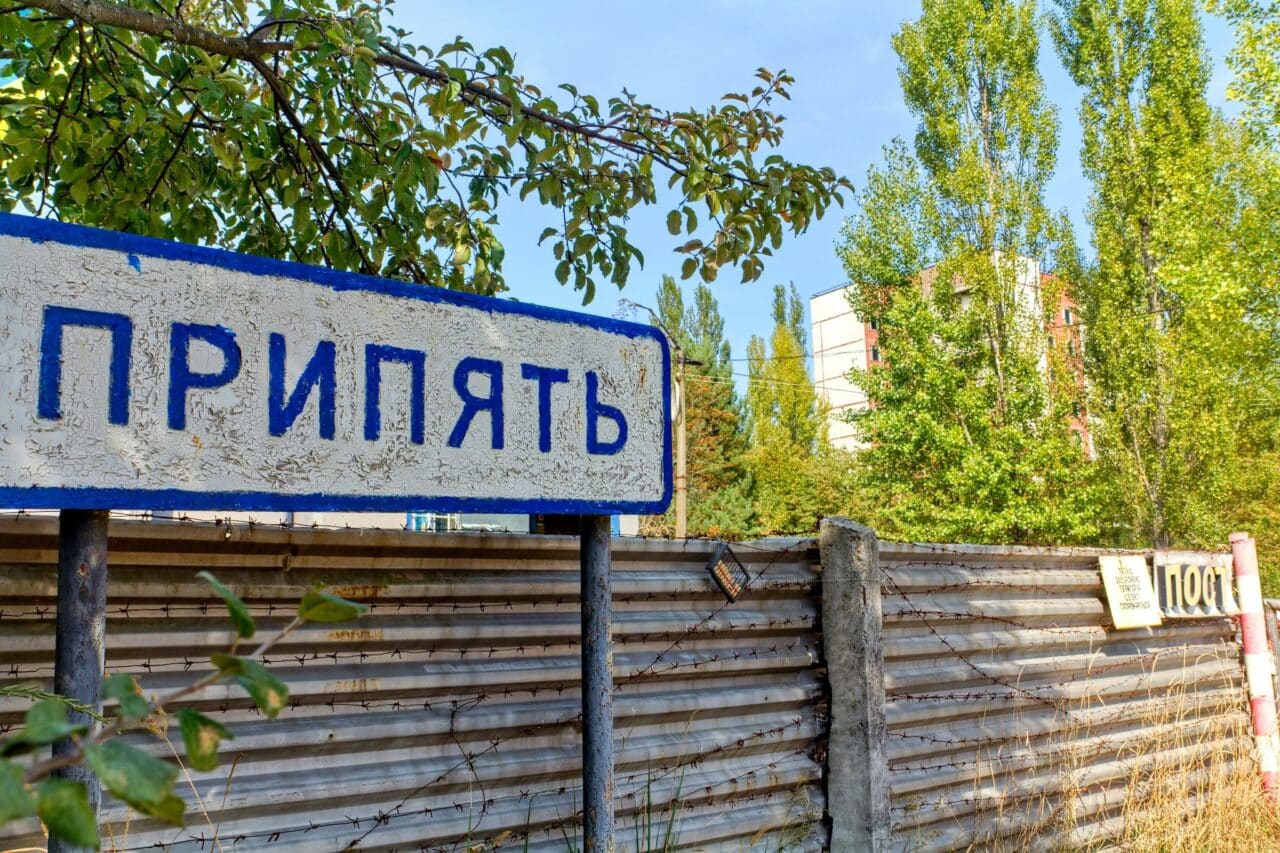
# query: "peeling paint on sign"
143, 374
1191, 584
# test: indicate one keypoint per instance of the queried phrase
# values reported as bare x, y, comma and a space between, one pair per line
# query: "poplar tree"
1255, 61
798, 477
720, 489
1222, 260
1179, 348
967, 433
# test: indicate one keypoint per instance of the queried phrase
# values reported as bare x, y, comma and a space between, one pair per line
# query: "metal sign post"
150, 375
597, 686
80, 633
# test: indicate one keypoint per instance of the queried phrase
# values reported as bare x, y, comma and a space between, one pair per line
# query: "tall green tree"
1174, 347
1246, 188
720, 489
317, 131
1255, 61
798, 476
967, 434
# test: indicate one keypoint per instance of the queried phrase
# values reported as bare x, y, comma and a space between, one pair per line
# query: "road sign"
144, 374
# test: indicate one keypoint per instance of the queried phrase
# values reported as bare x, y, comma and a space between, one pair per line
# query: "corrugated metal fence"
448, 717
1016, 715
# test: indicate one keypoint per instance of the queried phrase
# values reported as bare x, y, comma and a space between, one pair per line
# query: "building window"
1071, 347
432, 522
875, 353
1075, 409
875, 325
1067, 316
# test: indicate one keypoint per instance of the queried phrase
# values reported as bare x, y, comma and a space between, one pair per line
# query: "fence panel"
1017, 716
449, 715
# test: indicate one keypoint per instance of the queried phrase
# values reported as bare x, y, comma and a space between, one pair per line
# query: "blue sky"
846, 104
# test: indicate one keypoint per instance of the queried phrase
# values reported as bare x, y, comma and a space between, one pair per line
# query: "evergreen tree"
967, 434
798, 477
719, 502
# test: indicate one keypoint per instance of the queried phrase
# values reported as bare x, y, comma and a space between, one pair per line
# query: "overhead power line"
1075, 325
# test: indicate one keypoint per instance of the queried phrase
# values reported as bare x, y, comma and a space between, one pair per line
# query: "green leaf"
673, 222
46, 722
64, 808
141, 780
267, 691
124, 689
235, 607
169, 808
15, 800
320, 606
201, 737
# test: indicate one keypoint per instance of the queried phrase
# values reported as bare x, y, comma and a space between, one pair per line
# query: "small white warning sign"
1130, 594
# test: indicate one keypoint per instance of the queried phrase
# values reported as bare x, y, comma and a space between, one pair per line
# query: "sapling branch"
45, 768
124, 769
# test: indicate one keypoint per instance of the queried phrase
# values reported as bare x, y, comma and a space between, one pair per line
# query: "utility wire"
1048, 326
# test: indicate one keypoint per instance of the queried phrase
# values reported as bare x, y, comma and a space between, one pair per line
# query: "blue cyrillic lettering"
49, 402
597, 410
182, 378
546, 376
320, 370
374, 357
473, 404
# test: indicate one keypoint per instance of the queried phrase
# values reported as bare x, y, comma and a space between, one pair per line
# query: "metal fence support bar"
1273, 636
81, 630
597, 686
857, 766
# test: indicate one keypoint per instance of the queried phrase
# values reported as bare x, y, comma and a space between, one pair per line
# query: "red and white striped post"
1259, 665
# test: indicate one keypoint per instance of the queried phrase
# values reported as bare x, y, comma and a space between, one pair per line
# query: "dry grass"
1213, 801
1179, 777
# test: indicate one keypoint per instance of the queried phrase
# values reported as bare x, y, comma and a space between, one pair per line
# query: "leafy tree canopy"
315, 130
967, 433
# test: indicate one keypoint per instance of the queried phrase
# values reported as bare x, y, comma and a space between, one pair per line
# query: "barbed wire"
771, 641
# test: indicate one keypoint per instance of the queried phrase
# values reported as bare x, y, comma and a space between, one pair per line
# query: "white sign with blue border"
145, 374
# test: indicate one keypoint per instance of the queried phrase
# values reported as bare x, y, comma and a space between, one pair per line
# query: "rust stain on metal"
509, 706
349, 635
354, 685
361, 591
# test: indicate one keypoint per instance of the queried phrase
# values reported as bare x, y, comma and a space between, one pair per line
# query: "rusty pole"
597, 686
79, 644
682, 454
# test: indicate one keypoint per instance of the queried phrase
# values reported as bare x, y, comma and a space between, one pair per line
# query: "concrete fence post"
857, 768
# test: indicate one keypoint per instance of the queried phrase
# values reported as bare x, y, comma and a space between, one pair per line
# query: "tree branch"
251, 49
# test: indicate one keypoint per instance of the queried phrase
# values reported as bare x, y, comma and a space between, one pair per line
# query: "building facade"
843, 342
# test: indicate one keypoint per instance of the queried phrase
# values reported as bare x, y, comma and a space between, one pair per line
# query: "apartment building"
843, 342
